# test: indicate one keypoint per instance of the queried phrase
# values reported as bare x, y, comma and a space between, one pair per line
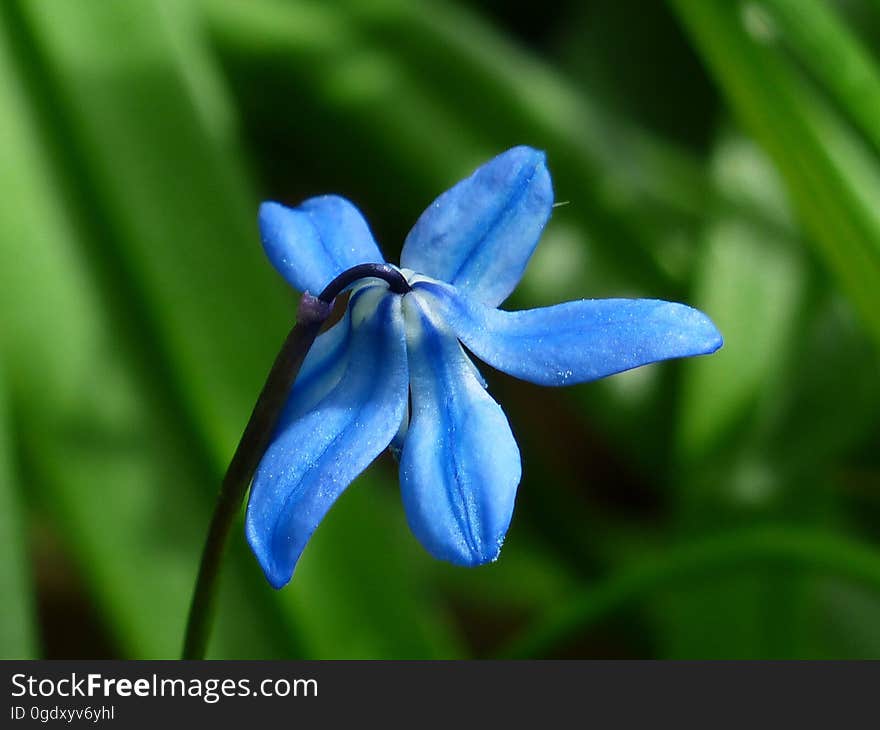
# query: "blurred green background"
722, 153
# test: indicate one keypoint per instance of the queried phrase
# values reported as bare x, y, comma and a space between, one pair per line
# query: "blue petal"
576, 341
480, 234
314, 242
316, 456
396, 445
322, 369
460, 465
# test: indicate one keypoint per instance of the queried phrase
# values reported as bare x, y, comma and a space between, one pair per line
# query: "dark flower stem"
396, 281
312, 313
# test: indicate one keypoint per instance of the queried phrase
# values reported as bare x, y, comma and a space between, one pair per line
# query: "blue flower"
393, 372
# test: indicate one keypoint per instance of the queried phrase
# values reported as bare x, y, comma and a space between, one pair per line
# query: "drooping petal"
396, 445
314, 242
317, 455
322, 369
460, 465
576, 341
480, 234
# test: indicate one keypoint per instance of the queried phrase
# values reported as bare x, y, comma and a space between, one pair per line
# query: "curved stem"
396, 280
313, 312
311, 315
765, 546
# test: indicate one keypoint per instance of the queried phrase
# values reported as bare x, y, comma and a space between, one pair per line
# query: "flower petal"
322, 369
460, 465
316, 241
576, 341
480, 234
316, 456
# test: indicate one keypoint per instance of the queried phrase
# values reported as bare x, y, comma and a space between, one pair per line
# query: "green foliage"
721, 507
17, 637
